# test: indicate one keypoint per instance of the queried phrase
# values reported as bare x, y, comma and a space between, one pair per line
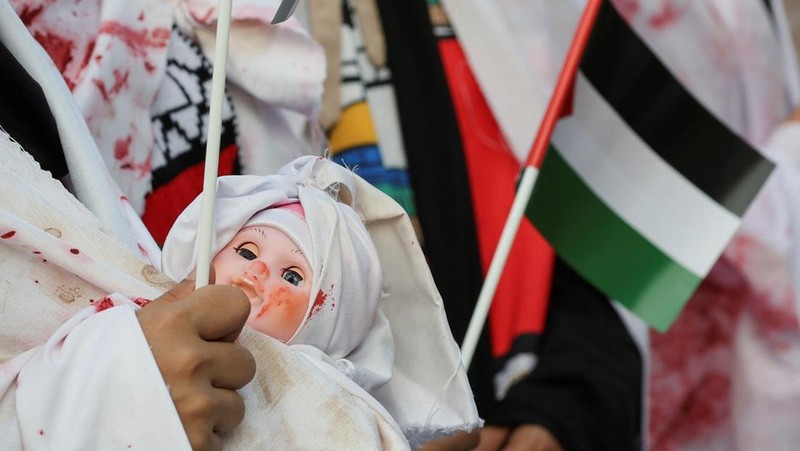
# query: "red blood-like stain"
120, 82
136, 40
44, 260
319, 301
35, 281
41, 431
627, 8
141, 169
207, 17
88, 56
75, 251
101, 87
666, 17
103, 304
691, 364
279, 297
37, 252
149, 67
142, 302
141, 18
59, 49
123, 198
28, 15
122, 148
8, 235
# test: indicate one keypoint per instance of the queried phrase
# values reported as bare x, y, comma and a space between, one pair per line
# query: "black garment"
438, 172
586, 388
26, 116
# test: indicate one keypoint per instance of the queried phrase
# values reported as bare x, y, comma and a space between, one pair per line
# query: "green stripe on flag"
604, 249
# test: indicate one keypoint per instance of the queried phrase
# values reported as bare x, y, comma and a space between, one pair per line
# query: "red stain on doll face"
74, 251
279, 297
8, 235
41, 431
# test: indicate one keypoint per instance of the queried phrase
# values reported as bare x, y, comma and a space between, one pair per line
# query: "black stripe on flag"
668, 118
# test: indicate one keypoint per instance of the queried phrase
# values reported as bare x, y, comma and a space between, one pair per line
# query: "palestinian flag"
642, 187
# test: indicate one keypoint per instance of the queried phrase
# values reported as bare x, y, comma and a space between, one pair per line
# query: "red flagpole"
560, 94
564, 84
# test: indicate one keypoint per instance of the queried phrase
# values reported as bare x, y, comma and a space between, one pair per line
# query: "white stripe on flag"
639, 186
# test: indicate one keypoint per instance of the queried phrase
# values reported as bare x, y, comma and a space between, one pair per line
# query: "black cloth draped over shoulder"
438, 173
26, 117
586, 388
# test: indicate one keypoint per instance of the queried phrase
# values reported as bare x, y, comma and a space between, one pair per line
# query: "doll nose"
257, 268
254, 278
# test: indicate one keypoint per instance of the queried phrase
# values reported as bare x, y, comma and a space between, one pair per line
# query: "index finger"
218, 312
184, 288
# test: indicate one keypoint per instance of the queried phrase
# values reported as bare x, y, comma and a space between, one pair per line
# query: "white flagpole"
535, 157
206, 225
205, 228
498, 263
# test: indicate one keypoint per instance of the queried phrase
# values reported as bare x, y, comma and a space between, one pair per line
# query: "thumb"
181, 290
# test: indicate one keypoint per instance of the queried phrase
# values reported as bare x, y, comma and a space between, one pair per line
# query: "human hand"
795, 116
455, 442
525, 437
191, 334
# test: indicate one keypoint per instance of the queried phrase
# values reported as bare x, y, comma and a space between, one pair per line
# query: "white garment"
113, 55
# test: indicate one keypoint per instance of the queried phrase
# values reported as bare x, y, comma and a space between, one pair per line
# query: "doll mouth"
248, 289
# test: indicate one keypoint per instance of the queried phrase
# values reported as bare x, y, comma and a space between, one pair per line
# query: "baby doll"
333, 270
267, 260
306, 262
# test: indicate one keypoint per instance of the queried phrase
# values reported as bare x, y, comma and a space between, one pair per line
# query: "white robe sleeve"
93, 385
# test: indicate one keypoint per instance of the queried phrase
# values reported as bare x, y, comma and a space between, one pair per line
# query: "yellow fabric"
354, 129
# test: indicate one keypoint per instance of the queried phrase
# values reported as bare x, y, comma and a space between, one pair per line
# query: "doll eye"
245, 251
292, 276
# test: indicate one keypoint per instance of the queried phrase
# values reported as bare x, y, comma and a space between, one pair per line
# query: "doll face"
267, 265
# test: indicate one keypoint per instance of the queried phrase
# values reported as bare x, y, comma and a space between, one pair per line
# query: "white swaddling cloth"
385, 330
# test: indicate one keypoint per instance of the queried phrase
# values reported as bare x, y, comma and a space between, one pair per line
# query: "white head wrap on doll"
386, 331
347, 280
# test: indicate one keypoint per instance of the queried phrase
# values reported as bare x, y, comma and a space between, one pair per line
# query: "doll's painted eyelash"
244, 252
